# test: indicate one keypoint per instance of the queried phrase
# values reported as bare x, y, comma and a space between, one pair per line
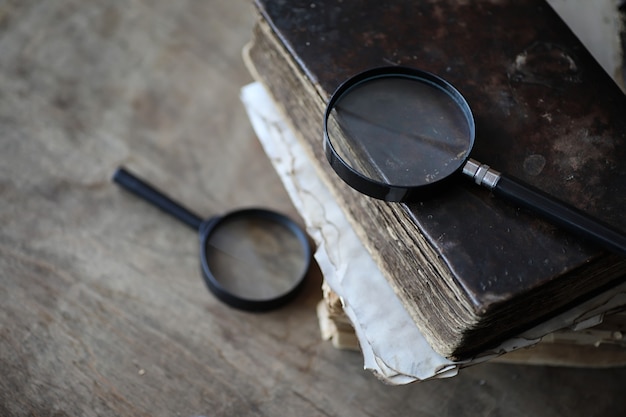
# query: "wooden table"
103, 311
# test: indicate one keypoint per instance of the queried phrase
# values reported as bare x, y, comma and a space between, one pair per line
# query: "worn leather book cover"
471, 270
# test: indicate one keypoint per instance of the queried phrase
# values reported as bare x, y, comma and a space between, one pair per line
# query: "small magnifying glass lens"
255, 257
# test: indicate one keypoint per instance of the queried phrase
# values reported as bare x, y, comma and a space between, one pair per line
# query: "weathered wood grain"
102, 308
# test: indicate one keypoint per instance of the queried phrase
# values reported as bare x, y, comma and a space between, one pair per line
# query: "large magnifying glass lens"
403, 130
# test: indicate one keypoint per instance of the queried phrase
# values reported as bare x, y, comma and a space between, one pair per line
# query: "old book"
393, 348
470, 270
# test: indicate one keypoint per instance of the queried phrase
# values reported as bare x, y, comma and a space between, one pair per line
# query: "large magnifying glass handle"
556, 211
147, 192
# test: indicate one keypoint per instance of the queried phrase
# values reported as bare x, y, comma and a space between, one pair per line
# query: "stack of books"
360, 311
471, 277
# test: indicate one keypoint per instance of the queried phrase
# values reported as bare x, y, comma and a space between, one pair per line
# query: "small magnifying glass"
397, 133
251, 259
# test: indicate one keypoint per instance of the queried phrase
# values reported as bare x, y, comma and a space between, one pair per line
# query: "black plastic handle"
147, 192
560, 213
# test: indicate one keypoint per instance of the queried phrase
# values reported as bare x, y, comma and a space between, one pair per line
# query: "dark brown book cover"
470, 269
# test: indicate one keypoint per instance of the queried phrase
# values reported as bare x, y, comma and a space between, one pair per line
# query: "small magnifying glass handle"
556, 211
147, 192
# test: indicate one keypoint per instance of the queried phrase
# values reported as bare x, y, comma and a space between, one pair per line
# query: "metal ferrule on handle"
481, 174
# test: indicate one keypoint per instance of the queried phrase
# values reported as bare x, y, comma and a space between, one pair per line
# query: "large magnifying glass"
397, 133
251, 259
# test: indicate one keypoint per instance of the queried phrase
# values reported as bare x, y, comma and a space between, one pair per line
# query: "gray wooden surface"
102, 308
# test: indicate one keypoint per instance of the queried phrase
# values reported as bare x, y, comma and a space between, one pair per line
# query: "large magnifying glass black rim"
242, 303
378, 189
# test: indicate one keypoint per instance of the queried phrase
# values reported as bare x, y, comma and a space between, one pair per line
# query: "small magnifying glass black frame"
206, 229
502, 185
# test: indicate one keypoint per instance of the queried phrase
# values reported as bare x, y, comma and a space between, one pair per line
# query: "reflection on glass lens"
401, 130
255, 257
